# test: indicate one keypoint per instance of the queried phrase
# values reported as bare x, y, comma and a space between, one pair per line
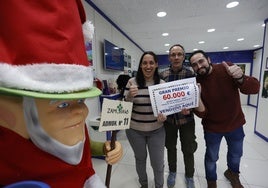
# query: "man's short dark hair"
197, 52
177, 45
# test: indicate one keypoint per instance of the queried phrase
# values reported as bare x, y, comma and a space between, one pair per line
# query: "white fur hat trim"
47, 77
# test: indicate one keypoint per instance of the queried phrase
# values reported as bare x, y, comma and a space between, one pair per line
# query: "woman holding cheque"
146, 130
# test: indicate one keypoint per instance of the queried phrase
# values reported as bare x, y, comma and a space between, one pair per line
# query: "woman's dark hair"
140, 77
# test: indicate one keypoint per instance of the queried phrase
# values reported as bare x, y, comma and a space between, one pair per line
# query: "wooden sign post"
115, 116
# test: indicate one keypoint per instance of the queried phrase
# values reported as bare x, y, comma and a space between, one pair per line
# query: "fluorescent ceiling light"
225, 48
232, 4
240, 39
256, 46
167, 44
165, 34
201, 42
211, 30
161, 14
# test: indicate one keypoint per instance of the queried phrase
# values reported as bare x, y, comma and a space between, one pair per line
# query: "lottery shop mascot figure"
45, 79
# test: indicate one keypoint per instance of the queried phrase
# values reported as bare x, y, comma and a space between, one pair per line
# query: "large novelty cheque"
115, 115
171, 97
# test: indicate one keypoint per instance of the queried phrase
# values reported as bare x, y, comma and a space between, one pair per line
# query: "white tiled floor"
254, 164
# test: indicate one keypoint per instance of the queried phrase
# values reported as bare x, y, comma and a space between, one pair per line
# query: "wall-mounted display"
113, 56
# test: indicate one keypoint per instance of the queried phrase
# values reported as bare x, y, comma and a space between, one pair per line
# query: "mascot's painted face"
55, 126
63, 120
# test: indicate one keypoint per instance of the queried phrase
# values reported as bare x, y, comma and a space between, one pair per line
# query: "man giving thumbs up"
223, 117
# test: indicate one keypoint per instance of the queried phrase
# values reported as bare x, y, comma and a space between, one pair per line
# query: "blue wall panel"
217, 57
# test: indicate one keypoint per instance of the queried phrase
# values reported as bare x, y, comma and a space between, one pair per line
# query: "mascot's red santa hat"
42, 54
42, 49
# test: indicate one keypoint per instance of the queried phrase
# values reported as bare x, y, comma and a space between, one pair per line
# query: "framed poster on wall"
265, 84
243, 67
89, 53
266, 65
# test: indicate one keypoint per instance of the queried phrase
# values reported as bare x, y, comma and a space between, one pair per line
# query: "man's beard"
207, 69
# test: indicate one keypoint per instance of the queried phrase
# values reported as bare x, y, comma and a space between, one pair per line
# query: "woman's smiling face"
148, 66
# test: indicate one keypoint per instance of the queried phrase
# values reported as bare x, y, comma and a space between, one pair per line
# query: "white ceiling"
187, 22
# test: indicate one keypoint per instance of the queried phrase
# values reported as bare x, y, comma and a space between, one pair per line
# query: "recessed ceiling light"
225, 48
256, 46
165, 34
211, 30
195, 49
240, 39
201, 42
161, 14
167, 44
232, 4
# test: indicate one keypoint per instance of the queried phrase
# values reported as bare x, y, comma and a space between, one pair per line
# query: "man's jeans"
234, 141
